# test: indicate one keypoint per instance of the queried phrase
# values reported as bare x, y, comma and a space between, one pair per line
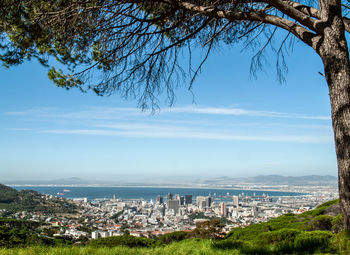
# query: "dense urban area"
96, 218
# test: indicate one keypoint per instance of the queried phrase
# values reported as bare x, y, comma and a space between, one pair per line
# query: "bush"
211, 229
337, 223
287, 221
312, 241
172, 237
281, 235
281, 241
124, 240
248, 233
341, 242
321, 222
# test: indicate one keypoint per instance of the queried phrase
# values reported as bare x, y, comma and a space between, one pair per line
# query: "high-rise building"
182, 200
223, 210
201, 202
173, 204
209, 201
159, 200
235, 201
163, 210
188, 199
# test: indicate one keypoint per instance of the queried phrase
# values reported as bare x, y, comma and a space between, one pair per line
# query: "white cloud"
241, 112
174, 123
108, 113
192, 134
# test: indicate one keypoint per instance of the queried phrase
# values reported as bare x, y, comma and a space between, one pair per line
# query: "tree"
134, 46
210, 229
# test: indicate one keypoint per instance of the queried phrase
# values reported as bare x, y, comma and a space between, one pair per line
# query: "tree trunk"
339, 92
334, 52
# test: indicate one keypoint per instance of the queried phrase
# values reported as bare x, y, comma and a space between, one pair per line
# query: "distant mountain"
63, 181
30, 200
306, 180
69, 181
190, 181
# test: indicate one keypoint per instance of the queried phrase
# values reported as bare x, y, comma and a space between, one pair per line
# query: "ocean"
146, 193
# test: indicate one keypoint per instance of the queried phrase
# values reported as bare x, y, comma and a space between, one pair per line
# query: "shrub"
210, 229
286, 221
341, 242
337, 223
321, 222
248, 233
278, 236
311, 241
172, 237
281, 241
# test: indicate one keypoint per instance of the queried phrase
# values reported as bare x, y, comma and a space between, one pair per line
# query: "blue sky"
237, 125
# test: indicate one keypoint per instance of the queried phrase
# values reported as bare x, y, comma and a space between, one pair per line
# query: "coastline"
252, 188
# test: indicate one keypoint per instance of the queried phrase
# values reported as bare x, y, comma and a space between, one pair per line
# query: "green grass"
192, 247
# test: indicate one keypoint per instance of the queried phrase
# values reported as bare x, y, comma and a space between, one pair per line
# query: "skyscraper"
182, 200
235, 201
159, 199
209, 201
188, 199
201, 202
173, 204
223, 210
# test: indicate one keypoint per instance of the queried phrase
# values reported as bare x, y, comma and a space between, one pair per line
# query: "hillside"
30, 200
7, 194
317, 231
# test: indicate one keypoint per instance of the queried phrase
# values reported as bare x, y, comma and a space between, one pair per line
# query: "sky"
232, 125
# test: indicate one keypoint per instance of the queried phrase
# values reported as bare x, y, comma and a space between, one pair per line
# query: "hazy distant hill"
63, 181
30, 200
278, 180
193, 181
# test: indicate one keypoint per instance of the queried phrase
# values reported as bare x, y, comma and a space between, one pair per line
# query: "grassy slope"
185, 247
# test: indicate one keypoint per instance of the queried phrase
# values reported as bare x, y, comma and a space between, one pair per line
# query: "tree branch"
293, 13
308, 10
299, 31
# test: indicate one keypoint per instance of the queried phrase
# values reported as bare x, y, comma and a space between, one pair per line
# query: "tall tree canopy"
134, 47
